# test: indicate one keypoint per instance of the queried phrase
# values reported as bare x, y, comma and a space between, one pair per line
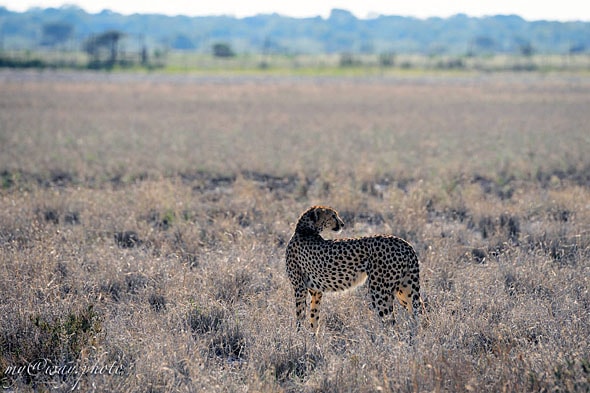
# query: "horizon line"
370, 16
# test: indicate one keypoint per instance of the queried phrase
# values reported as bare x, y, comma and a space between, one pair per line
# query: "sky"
562, 10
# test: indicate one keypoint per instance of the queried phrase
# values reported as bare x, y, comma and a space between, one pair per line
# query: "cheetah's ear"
315, 216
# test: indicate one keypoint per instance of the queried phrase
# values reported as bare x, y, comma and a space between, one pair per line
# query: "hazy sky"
563, 10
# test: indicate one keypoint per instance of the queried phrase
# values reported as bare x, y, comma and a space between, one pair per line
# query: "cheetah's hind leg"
403, 292
408, 294
316, 298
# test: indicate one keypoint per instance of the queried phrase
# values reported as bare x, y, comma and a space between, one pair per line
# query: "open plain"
144, 218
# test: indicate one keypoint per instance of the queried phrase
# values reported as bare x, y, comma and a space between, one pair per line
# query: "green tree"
222, 49
104, 47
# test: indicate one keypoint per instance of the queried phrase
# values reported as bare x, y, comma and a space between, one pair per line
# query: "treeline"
70, 28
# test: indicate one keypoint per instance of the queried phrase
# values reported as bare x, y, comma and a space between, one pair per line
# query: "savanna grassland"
143, 222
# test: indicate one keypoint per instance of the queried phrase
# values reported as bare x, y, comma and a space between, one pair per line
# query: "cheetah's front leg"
300, 305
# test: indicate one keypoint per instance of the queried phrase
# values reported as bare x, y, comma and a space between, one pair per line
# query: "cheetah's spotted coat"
316, 265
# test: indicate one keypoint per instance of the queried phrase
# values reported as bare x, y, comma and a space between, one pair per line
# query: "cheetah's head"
318, 218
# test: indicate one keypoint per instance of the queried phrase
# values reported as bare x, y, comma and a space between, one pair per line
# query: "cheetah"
388, 264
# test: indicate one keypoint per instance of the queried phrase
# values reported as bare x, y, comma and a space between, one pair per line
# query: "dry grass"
144, 221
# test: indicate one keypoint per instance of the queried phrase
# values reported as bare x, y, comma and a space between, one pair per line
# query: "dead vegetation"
143, 228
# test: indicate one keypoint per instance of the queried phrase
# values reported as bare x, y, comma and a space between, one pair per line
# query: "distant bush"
387, 59
528, 66
450, 64
406, 65
349, 60
7, 62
